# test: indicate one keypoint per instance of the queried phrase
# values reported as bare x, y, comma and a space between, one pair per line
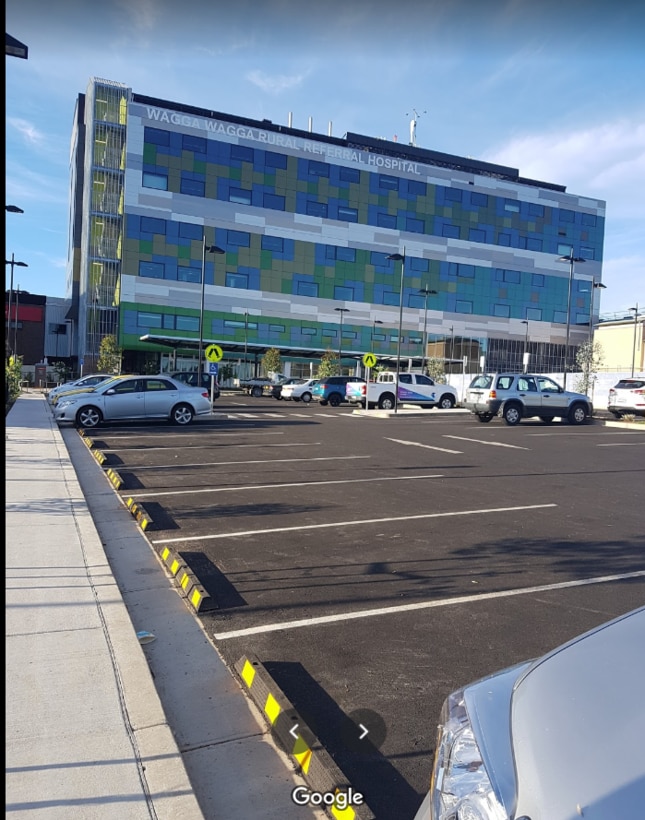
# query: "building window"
188, 230
156, 136
237, 280
344, 293
273, 201
535, 314
153, 270
466, 271
272, 243
307, 289
232, 323
477, 235
158, 181
564, 250
386, 221
150, 224
481, 200
239, 238
587, 253
347, 214
318, 169
537, 280
190, 323
503, 311
242, 153
535, 209
462, 306
560, 317
349, 174
308, 331
345, 254
276, 328
512, 276
453, 194
387, 182
589, 219
316, 208
533, 244
512, 206
414, 225
186, 273
567, 216
192, 187
416, 264
273, 160
390, 297
191, 143
505, 240
450, 231
380, 260
328, 333
417, 188
415, 300
148, 319
240, 196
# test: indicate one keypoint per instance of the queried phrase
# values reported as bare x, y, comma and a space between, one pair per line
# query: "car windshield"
630, 384
483, 382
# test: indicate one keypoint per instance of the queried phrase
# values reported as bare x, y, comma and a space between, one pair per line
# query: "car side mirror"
109, 392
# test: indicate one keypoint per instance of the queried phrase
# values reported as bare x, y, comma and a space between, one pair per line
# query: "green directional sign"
214, 353
369, 360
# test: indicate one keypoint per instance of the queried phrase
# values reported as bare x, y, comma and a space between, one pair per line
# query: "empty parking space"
380, 563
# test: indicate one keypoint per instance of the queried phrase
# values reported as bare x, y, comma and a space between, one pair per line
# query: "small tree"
329, 364
13, 377
109, 355
589, 358
272, 361
436, 369
225, 373
62, 371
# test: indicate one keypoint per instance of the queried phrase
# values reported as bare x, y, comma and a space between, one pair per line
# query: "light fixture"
14, 264
635, 310
570, 259
425, 292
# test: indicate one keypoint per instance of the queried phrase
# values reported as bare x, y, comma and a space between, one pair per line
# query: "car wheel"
89, 417
182, 414
512, 414
577, 414
447, 402
306, 397
547, 419
295, 398
484, 417
335, 399
386, 402
616, 415
256, 392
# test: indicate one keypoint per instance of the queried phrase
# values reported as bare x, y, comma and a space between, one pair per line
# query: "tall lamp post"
246, 341
342, 312
594, 286
425, 292
570, 259
525, 362
635, 309
210, 249
14, 264
400, 257
374, 323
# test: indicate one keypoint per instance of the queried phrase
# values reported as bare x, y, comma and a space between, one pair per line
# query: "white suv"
628, 396
299, 391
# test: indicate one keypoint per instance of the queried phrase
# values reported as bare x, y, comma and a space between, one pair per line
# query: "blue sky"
555, 88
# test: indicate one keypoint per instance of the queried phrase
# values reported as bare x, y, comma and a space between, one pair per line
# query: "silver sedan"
134, 397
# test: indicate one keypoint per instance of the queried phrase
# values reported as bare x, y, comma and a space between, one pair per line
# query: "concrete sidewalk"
90, 733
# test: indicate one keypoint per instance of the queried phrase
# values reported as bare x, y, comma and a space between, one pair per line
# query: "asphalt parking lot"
374, 565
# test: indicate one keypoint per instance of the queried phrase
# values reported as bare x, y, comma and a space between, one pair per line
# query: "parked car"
628, 396
70, 391
300, 390
515, 396
276, 389
90, 380
413, 388
331, 390
556, 738
134, 397
262, 385
192, 377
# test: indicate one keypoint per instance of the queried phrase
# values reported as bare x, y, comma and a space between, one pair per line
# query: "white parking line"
277, 486
492, 443
395, 610
353, 523
622, 444
201, 446
426, 446
262, 461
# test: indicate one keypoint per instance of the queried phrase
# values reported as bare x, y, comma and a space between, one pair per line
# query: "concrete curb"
296, 738
186, 581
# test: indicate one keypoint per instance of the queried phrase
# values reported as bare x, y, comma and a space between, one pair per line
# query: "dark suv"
332, 389
515, 396
191, 378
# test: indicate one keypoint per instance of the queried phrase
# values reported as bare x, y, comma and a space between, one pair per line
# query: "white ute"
413, 388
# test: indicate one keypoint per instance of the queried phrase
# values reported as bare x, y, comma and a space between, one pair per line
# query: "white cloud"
276, 83
27, 130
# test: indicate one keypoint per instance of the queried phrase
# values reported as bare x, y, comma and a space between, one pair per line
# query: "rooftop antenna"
413, 125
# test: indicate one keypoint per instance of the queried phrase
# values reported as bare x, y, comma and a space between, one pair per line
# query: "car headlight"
461, 788
64, 403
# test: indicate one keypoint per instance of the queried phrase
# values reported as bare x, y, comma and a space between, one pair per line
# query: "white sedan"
300, 391
134, 397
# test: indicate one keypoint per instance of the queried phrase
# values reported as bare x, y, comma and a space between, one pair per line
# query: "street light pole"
594, 285
210, 249
14, 264
246, 337
570, 259
525, 363
342, 312
635, 309
401, 258
15, 324
374, 323
425, 292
